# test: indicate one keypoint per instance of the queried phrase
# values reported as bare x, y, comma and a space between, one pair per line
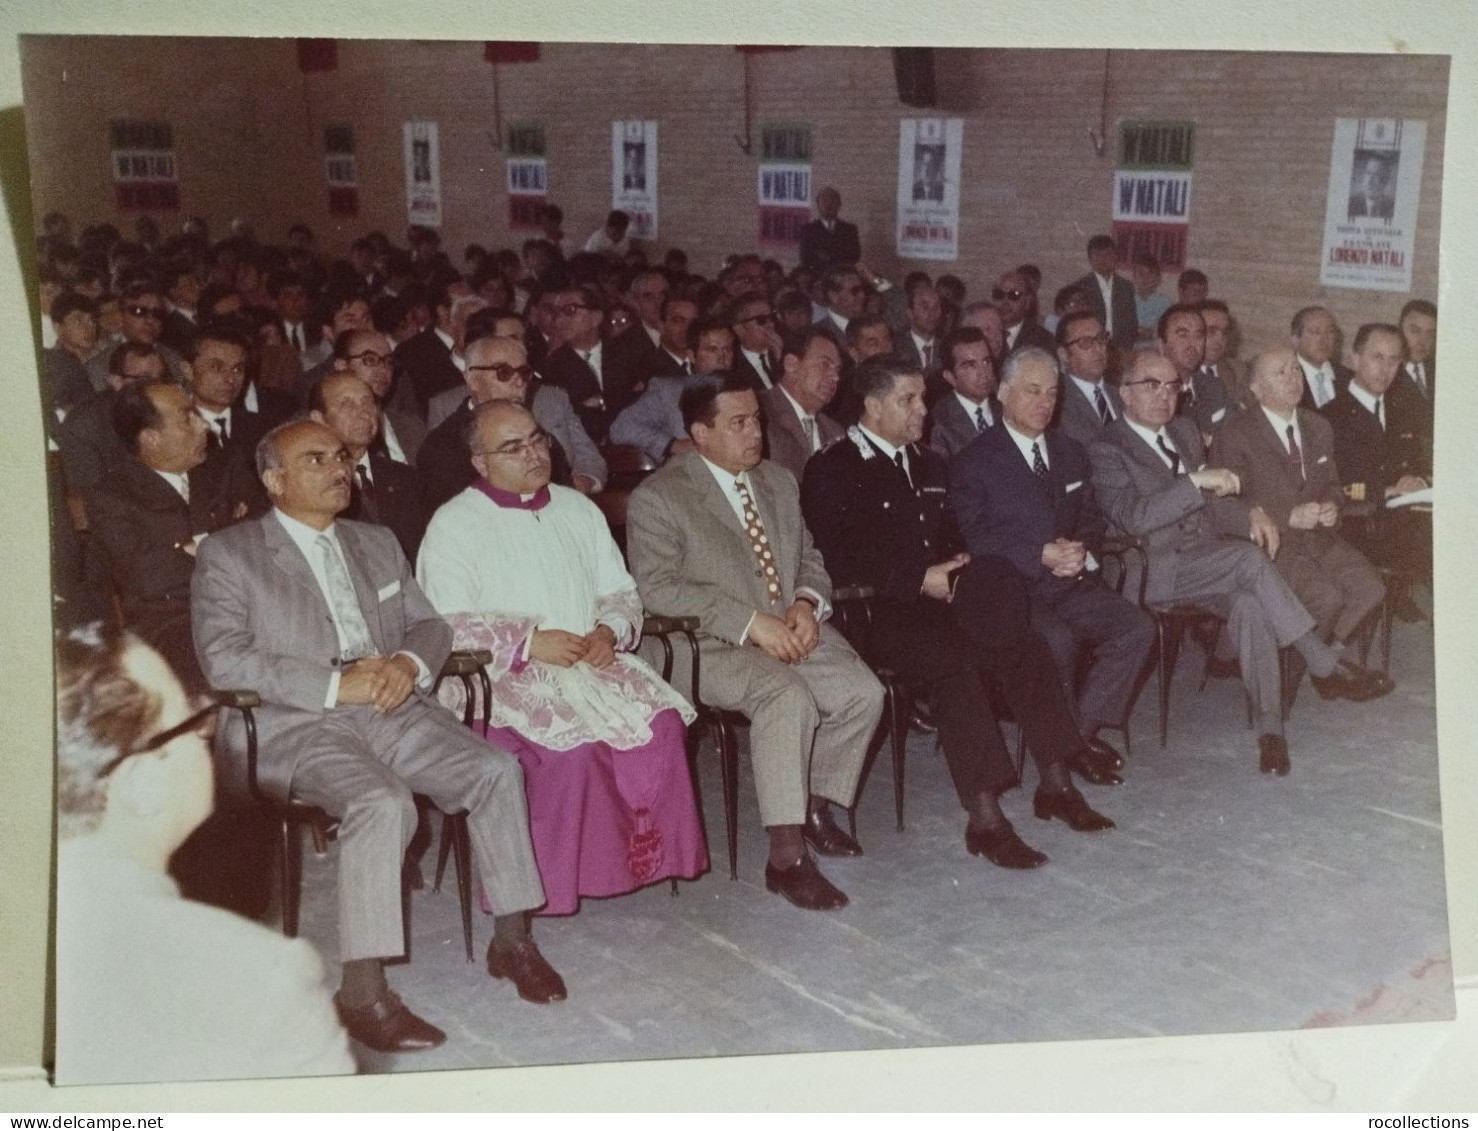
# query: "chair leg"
443, 850
1020, 752
898, 726
290, 873
454, 828
728, 757
1169, 647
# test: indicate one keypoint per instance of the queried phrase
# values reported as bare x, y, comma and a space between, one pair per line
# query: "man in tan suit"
1284, 457
795, 425
717, 533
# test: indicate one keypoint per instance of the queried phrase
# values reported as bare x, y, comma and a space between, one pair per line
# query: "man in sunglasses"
1013, 296
758, 357
151, 986
1203, 546
323, 618
143, 311
601, 380
845, 297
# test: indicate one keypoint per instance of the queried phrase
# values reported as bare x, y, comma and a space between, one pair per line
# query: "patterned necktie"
980, 421
357, 641
759, 542
1105, 413
1295, 456
1039, 465
928, 355
1170, 453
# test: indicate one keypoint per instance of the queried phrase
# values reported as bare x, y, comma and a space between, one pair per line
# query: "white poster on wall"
1375, 180
634, 175
929, 187
422, 175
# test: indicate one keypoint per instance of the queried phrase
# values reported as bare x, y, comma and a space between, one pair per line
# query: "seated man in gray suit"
1203, 397
1204, 547
969, 407
795, 427
654, 422
716, 533
1088, 404
324, 620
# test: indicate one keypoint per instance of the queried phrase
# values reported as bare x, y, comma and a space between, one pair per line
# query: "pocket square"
1217, 415
1073, 486
388, 591
1322, 459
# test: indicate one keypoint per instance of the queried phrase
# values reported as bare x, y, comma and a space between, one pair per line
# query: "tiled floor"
1225, 900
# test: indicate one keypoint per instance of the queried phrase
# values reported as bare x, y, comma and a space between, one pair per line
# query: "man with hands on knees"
1206, 547
716, 533
324, 619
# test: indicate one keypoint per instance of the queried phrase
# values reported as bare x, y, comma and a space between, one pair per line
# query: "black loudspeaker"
913, 68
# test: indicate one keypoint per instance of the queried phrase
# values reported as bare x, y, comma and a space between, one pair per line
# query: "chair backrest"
627, 465
613, 503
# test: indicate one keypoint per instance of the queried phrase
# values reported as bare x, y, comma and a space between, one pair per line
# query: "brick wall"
248, 133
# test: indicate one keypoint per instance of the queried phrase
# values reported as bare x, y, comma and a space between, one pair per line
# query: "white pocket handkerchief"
1217, 415
1073, 486
388, 591
1322, 459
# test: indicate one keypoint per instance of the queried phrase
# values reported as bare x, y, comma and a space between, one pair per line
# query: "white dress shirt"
1373, 404
1320, 380
971, 408
1153, 438
757, 361
1106, 286
1281, 426
1090, 390
802, 415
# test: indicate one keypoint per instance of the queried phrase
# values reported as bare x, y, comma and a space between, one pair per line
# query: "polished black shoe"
1106, 754
922, 720
1069, 807
1002, 847
804, 885
1093, 768
531, 974
826, 837
1349, 681
1272, 755
386, 1025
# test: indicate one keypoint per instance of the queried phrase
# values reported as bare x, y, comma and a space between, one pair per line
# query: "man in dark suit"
845, 296
182, 289
1207, 548
143, 313
877, 506
1413, 389
1028, 497
369, 355
90, 447
1088, 404
1380, 456
1014, 298
383, 490
969, 406
324, 619
919, 345
757, 355
1182, 340
828, 241
216, 374
796, 428
1119, 314
1283, 456
68, 383
717, 533
426, 360
601, 380
1316, 338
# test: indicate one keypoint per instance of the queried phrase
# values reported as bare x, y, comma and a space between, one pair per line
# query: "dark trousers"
1117, 636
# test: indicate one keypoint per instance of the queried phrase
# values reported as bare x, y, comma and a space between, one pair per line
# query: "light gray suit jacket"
690, 555
552, 409
786, 441
653, 420
951, 429
1076, 416
260, 621
1171, 514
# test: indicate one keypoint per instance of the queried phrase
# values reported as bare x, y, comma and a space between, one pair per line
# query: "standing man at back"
1112, 295
827, 240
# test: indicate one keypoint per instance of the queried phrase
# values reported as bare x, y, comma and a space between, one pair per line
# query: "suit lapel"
290, 559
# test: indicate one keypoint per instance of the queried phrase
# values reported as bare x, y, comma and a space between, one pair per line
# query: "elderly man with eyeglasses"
529, 571
1088, 404
1205, 547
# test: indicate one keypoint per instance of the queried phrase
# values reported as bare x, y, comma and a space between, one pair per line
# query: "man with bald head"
322, 616
383, 490
498, 369
370, 356
1284, 457
1206, 547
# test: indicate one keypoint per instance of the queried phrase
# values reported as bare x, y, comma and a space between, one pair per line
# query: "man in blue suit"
1027, 496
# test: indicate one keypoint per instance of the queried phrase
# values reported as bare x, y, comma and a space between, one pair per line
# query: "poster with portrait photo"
929, 187
422, 175
1375, 180
634, 175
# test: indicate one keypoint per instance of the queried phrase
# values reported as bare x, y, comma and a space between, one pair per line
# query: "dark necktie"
1039, 465
928, 355
1295, 456
367, 508
768, 369
980, 422
1170, 453
898, 462
1105, 413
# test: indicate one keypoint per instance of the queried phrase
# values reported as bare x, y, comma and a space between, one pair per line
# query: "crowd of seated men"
262, 454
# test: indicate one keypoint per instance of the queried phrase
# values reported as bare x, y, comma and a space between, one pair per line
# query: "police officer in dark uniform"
877, 505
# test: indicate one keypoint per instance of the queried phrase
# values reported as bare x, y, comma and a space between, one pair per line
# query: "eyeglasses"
1089, 341
146, 311
505, 372
371, 358
535, 445
570, 309
1015, 295
765, 317
202, 721
1155, 388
